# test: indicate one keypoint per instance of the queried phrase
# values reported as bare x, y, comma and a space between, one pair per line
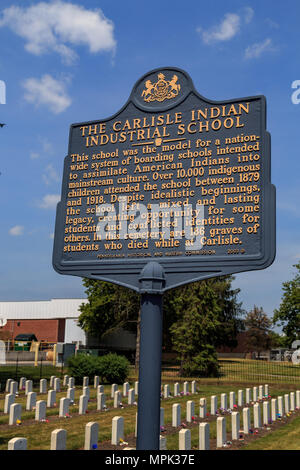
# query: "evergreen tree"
288, 314
258, 330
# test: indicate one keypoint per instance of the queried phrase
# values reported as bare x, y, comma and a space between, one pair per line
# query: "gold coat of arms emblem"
161, 90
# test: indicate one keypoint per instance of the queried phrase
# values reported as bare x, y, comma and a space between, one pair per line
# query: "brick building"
52, 320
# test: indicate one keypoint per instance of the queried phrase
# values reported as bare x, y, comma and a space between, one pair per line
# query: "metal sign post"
148, 427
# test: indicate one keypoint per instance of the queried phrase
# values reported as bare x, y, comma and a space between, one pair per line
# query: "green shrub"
83, 365
111, 368
204, 364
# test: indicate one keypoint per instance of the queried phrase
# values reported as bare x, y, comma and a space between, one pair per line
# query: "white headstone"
2, 353
125, 389
280, 406
13, 387
298, 399
15, 413
235, 425
213, 404
166, 391
241, 398
224, 401
28, 386
162, 443
51, 399
117, 399
40, 410
266, 412
286, 403
71, 394
85, 382
114, 388
86, 391
185, 439
204, 436
43, 386
176, 415
256, 416
131, 396
31, 401
58, 439
117, 430
22, 383
231, 400
83, 404
64, 404
176, 389
56, 385
101, 401
17, 443
274, 409
202, 407
292, 401
221, 431
91, 436
9, 400
190, 410
162, 417
246, 420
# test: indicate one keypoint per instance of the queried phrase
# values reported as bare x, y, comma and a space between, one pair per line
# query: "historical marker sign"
172, 177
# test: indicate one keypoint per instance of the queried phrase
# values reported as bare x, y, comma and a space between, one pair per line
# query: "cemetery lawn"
284, 438
38, 434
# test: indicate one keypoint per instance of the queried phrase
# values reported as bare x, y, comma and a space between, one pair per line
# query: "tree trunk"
138, 335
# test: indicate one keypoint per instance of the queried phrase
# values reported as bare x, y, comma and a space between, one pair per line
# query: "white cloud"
47, 91
49, 201
248, 14
55, 25
34, 155
226, 30
228, 27
256, 50
50, 176
17, 230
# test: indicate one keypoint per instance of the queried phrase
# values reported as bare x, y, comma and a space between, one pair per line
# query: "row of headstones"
59, 437
15, 409
12, 386
290, 402
258, 393
279, 407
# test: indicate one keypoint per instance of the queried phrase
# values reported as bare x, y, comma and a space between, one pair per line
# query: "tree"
288, 314
205, 315
109, 307
197, 315
258, 330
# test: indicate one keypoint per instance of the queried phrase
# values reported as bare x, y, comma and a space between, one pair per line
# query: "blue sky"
66, 62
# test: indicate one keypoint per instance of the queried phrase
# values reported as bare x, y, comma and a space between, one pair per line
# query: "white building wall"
73, 332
